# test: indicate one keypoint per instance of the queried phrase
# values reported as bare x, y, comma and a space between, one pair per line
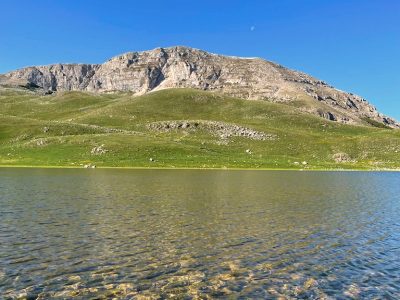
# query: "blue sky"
353, 45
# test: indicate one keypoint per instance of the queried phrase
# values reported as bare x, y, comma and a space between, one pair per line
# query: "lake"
196, 233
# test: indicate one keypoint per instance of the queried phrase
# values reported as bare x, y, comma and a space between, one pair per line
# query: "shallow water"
193, 233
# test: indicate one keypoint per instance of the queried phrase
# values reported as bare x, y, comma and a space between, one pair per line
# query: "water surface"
193, 233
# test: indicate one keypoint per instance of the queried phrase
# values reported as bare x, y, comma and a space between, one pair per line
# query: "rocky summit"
184, 67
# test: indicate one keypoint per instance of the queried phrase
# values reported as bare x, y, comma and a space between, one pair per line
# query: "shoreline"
197, 168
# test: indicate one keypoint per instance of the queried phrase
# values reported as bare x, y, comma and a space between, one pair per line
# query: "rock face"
161, 68
60, 77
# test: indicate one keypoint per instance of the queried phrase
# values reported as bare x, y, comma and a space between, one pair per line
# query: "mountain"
184, 67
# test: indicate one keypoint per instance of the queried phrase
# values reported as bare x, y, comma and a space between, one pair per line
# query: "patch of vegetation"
375, 123
63, 129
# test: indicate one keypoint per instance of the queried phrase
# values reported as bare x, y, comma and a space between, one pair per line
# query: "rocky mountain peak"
179, 66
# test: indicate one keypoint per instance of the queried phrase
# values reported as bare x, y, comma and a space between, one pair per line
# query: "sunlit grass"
62, 129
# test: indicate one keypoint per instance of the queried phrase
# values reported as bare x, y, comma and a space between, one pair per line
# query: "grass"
375, 123
62, 129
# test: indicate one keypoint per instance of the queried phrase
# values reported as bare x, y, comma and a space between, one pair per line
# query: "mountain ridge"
185, 67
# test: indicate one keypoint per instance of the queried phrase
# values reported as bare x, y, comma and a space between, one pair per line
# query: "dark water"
128, 234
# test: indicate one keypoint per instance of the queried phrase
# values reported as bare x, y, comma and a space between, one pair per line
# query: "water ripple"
198, 234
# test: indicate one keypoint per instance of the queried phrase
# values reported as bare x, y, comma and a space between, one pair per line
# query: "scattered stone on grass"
342, 157
89, 166
223, 130
40, 142
99, 150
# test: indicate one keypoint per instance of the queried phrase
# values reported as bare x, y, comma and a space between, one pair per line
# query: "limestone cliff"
249, 78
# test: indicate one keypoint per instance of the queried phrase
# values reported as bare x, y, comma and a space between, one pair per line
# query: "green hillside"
181, 128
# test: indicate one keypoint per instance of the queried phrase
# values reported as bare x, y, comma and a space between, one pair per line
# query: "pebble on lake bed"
125, 287
310, 283
353, 291
185, 261
296, 276
93, 290
264, 267
74, 278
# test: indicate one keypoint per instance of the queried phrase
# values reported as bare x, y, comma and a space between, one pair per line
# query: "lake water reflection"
199, 233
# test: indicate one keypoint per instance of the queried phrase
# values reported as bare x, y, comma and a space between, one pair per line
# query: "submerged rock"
311, 282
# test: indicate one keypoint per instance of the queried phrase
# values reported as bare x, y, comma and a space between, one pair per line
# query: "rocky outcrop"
249, 78
60, 77
222, 130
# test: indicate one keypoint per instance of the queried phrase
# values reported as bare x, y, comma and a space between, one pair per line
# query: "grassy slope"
71, 135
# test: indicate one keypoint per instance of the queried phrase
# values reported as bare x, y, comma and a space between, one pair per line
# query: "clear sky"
354, 45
